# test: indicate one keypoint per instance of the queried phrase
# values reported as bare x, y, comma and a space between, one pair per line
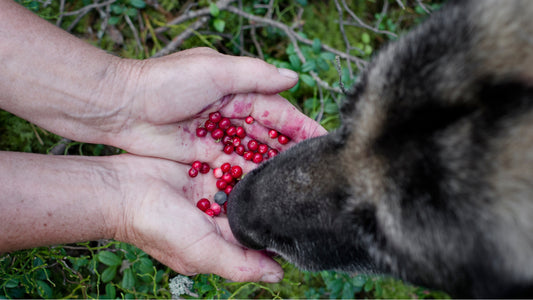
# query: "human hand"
159, 215
171, 96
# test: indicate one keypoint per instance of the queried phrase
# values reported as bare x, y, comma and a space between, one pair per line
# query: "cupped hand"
173, 95
160, 216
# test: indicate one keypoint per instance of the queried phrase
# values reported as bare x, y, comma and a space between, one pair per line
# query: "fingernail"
288, 73
272, 277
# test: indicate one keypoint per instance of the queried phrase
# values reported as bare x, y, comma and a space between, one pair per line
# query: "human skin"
149, 108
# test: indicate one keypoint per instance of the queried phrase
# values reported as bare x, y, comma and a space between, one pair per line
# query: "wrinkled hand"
160, 217
173, 95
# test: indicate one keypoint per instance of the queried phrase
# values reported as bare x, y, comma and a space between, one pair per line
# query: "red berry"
240, 132
221, 184
217, 134
197, 165
228, 149
210, 212
227, 190
226, 167
210, 126
236, 141
215, 117
193, 172
262, 148
201, 132
218, 173
205, 168
227, 177
227, 140
273, 134
253, 145
231, 131
258, 158
249, 120
215, 207
203, 204
225, 207
236, 172
239, 150
248, 155
224, 124
283, 139
272, 153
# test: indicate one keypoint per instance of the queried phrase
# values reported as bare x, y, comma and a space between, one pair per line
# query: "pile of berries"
232, 137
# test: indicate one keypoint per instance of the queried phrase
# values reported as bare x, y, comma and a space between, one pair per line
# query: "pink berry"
253, 145
193, 172
231, 131
236, 172
258, 158
273, 134
283, 139
201, 132
240, 132
226, 167
227, 140
236, 141
205, 168
272, 152
262, 148
221, 184
228, 190
210, 126
210, 212
197, 165
215, 117
248, 155
217, 134
249, 120
227, 177
239, 150
228, 149
215, 207
224, 124
218, 173
203, 204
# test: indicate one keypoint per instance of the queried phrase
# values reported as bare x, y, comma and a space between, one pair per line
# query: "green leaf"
321, 64
295, 62
117, 9
132, 12
113, 20
11, 283
109, 258
138, 3
213, 10
365, 37
109, 273
110, 291
219, 25
327, 55
307, 79
290, 49
128, 281
310, 65
317, 45
146, 265
368, 285
44, 290
295, 88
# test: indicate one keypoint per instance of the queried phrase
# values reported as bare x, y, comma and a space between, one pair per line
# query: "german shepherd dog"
430, 176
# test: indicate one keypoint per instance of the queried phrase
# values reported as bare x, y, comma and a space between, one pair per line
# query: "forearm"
48, 200
56, 80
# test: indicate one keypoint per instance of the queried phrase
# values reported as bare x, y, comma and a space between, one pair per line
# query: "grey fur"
430, 177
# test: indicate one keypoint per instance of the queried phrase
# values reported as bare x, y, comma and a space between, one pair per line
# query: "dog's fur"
430, 177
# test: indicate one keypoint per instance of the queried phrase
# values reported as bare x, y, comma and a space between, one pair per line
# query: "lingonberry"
203, 204
228, 189
236, 172
201, 132
210, 126
226, 167
231, 131
193, 172
225, 207
239, 150
221, 184
215, 207
227, 177
272, 133
283, 139
197, 165
227, 140
210, 212
258, 158
253, 145
249, 120
217, 134
240, 132
215, 117
205, 168
272, 153
236, 141
221, 196
228, 149
248, 155
218, 173
224, 124
262, 148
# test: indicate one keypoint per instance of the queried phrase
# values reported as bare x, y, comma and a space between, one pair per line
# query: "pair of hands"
168, 99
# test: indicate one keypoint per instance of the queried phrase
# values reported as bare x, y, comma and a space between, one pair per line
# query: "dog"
430, 176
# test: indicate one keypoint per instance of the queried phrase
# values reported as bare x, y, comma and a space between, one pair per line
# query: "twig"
423, 6
364, 25
135, 33
339, 71
256, 43
400, 3
178, 40
84, 10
